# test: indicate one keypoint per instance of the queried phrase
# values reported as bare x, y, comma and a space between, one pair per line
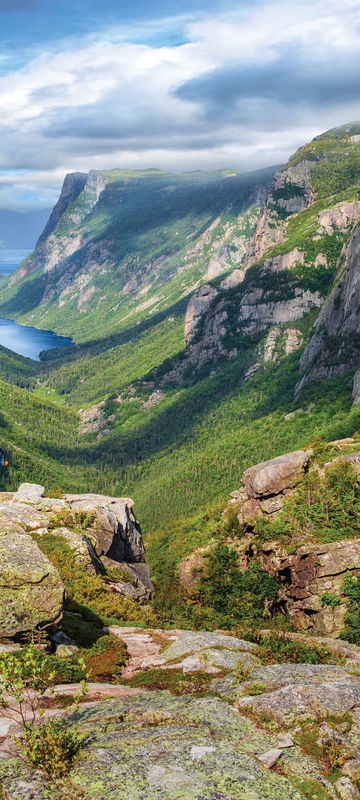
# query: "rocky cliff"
309, 558
305, 235
334, 344
120, 244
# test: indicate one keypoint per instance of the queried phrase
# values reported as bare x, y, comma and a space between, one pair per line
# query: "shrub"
81, 520
255, 688
235, 596
351, 589
51, 747
276, 648
24, 678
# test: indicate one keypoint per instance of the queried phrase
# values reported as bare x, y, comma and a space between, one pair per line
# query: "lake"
29, 341
10, 259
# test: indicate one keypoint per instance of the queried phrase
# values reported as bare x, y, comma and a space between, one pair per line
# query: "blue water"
29, 341
10, 259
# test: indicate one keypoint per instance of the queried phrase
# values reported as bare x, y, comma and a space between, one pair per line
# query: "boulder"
306, 701
117, 533
29, 493
270, 758
64, 645
192, 566
274, 476
31, 592
140, 586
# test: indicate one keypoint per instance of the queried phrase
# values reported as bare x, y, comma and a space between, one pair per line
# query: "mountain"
179, 380
20, 229
216, 381
122, 245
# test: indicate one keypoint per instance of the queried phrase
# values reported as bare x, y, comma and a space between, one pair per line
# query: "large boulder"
274, 476
117, 533
31, 591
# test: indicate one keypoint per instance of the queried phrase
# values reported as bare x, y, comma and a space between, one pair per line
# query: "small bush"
79, 520
25, 677
51, 747
351, 589
174, 680
277, 648
255, 688
235, 596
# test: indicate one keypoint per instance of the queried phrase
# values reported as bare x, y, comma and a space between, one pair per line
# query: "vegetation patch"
324, 509
174, 680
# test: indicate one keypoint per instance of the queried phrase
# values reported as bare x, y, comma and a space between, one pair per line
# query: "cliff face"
121, 244
306, 236
334, 344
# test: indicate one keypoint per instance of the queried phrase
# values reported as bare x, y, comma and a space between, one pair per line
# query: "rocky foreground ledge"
258, 732
31, 592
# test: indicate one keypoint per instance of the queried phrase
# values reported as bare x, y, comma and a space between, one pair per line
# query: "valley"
179, 400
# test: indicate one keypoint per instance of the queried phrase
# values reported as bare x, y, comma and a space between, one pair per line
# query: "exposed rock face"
117, 531
197, 307
356, 387
73, 185
113, 539
340, 216
272, 477
308, 575
31, 592
285, 261
333, 347
291, 193
94, 420
189, 748
250, 311
302, 691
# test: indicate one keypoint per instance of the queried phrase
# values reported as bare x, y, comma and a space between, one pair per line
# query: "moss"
174, 680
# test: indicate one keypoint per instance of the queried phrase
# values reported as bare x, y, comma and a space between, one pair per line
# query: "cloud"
242, 89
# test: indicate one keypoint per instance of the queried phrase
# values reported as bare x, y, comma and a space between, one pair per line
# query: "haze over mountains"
19, 230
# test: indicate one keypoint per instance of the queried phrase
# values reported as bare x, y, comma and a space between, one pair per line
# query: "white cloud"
106, 102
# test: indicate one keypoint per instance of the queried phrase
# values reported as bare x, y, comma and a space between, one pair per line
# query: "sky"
105, 84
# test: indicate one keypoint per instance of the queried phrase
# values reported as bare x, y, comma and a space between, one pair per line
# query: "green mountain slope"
122, 245
170, 425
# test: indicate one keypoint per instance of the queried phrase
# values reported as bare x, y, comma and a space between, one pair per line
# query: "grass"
173, 680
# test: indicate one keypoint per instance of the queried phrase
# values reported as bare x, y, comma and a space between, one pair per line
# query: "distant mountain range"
19, 230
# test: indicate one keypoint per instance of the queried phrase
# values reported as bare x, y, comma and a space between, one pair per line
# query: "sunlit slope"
132, 244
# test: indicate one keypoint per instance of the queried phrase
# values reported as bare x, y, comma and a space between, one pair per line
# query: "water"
29, 341
10, 259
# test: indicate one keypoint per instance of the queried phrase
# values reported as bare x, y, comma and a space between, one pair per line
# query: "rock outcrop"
31, 592
246, 735
312, 572
111, 540
333, 347
266, 485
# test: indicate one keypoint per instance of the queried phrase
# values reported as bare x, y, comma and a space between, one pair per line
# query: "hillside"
160, 420
122, 245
